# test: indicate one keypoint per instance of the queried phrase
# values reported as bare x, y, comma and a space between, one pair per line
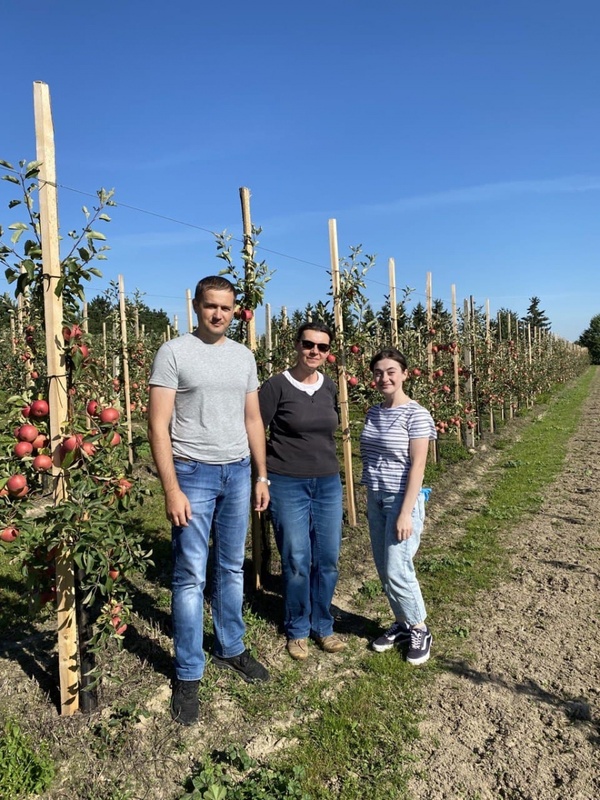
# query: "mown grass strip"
357, 747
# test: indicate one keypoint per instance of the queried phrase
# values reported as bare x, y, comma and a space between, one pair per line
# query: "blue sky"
459, 138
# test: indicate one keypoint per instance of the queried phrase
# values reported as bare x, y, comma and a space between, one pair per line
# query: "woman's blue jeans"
219, 495
307, 520
394, 559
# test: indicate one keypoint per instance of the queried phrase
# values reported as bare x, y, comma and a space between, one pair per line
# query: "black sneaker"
420, 646
184, 702
398, 633
245, 665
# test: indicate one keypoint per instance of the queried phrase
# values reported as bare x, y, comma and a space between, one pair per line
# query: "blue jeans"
307, 519
219, 495
394, 559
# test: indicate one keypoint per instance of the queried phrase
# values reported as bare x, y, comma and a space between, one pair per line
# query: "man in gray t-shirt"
204, 427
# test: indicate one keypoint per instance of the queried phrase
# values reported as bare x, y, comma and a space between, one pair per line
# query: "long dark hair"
389, 352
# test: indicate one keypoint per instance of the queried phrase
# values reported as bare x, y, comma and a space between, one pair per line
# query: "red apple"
331, 358
116, 439
22, 449
92, 408
355, 349
113, 574
416, 372
27, 433
109, 415
42, 463
9, 534
246, 314
17, 485
121, 629
40, 442
89, 448
26, 411
71, 442
353, 381
34, 374
39, 409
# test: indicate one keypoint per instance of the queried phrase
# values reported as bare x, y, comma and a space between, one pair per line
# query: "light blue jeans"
394, 559
219, 495
307, 521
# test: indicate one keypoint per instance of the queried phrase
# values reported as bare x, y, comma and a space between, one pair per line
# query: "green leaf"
5, 164
14, 203
10, 178
96, 235
18, 226
17, 235
104, 217
33, 165
95, 271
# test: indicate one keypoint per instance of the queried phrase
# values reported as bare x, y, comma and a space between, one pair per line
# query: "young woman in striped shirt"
394, 444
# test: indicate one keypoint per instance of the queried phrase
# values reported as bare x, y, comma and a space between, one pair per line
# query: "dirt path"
521, 719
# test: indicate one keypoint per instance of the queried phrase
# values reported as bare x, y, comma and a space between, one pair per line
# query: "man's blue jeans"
394, 559
307, 520
219, 495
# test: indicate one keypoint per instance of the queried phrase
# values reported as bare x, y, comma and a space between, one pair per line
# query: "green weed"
27, 768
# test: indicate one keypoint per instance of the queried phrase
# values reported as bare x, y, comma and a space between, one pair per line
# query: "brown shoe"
298, 649
330, 644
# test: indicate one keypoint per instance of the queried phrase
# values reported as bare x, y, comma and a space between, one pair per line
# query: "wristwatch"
262, 479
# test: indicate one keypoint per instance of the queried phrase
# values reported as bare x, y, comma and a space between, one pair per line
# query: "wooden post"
176, 324
136, 321
433, 445
104, 346
470, 435
268, 339
342, 382
455, 357
393, 303
13, 332
248, 250
488, 345
189, 307
57, 389
85, 322
125, 356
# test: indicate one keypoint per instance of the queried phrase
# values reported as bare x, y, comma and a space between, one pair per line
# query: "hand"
178, 508
261, 496
404, 527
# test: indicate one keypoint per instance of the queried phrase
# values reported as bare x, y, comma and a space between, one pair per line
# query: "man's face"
215, 312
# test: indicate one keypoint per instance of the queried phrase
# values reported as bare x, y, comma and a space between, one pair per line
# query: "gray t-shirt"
212, 382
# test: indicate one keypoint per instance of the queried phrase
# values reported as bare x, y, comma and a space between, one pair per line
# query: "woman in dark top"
299, 407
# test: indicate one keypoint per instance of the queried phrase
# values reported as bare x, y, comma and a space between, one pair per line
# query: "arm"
418, 449
257, 441
162, 401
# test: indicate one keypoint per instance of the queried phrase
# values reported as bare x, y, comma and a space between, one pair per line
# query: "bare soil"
520, 719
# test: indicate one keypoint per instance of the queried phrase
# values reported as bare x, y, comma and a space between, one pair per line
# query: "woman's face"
389, 376
309, 355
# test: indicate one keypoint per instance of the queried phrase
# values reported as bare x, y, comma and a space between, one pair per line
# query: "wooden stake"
57, 389
125, 356
268, 338
248, 261
342, 382
189, 307
455, 356
393, 303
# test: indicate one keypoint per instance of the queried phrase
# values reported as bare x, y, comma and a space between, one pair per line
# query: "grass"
345, 725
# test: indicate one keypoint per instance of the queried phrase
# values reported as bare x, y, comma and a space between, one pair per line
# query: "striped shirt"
385, 442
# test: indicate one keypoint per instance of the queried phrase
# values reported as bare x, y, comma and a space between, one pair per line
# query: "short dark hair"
313, 326
389, 352
215, 282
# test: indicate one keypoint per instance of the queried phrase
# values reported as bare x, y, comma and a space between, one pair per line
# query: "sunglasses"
306, 344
